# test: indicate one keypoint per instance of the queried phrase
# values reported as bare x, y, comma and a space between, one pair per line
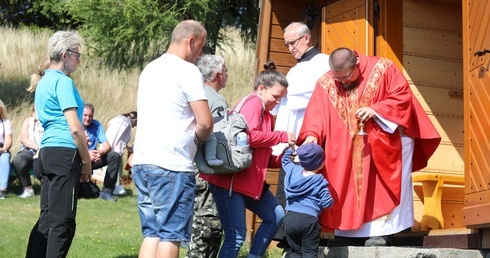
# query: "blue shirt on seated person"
95, 134
101, 157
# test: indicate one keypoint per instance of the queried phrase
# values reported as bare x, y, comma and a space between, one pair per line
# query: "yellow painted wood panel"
341, 6
441, 44
451, 129
451, 206
440, 101
478, 162
389, 34
447, 158
453, 214
433, 71
476, 210
478, 15
432, 14
433, 65
346, 26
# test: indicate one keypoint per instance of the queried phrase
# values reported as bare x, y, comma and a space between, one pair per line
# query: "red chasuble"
364, 172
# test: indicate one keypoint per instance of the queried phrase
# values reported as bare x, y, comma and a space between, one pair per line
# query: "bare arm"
106, 147
24, 136
7, 143
78, 133
204, 119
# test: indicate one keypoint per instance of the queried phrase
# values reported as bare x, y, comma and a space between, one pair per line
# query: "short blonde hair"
3, 110
186, 29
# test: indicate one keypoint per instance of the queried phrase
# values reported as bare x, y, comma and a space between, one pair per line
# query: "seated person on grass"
26, 159
104, 156
118, 134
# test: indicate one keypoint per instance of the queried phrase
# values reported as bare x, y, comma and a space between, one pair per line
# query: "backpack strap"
242, 102
3, 132
219, 110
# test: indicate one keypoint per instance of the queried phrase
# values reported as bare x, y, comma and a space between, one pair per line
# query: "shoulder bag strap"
242, 102
3, 132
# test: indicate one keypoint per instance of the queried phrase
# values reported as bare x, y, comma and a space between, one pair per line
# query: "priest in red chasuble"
375, 133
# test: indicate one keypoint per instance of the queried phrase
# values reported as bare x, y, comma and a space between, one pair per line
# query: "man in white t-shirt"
173, 115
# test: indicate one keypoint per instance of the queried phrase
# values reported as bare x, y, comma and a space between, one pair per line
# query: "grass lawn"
104, 229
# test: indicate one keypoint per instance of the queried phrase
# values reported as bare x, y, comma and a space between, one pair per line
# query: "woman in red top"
247, 188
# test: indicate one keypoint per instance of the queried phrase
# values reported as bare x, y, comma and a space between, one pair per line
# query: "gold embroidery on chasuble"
347, 103
373, 81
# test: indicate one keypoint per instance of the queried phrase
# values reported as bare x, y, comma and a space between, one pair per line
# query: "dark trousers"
54, 231
113, 161
281, 199
22, 162
303, 234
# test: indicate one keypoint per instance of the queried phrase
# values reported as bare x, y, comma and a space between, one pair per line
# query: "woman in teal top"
63, 156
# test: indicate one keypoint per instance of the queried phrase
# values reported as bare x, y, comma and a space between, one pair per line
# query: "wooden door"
476, 65
346, 24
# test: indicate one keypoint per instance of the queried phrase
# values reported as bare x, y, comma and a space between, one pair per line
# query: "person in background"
35, 77
307, 195
64, 160
247, 189
173, 116
206, 227
30, 138
34, 80
101, 157
374, 133
118, 134
5, 145
302, 78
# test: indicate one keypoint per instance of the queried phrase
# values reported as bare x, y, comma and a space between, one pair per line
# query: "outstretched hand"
291, 138
310, 139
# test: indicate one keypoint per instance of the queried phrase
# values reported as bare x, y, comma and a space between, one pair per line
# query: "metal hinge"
482, 52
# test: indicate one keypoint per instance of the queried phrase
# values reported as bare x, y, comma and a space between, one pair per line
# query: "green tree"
39, 13
129, 33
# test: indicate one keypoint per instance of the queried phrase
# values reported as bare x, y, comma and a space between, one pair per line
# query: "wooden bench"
14, 174
432, 187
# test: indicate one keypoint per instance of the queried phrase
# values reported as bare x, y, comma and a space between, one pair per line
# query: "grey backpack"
226, 128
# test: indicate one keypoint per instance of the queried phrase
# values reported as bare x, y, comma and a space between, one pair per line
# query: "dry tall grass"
111, 92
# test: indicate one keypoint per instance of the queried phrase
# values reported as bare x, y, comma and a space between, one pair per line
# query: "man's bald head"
342, 58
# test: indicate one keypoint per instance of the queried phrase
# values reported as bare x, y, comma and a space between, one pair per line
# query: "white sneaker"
27, 194
119, 190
